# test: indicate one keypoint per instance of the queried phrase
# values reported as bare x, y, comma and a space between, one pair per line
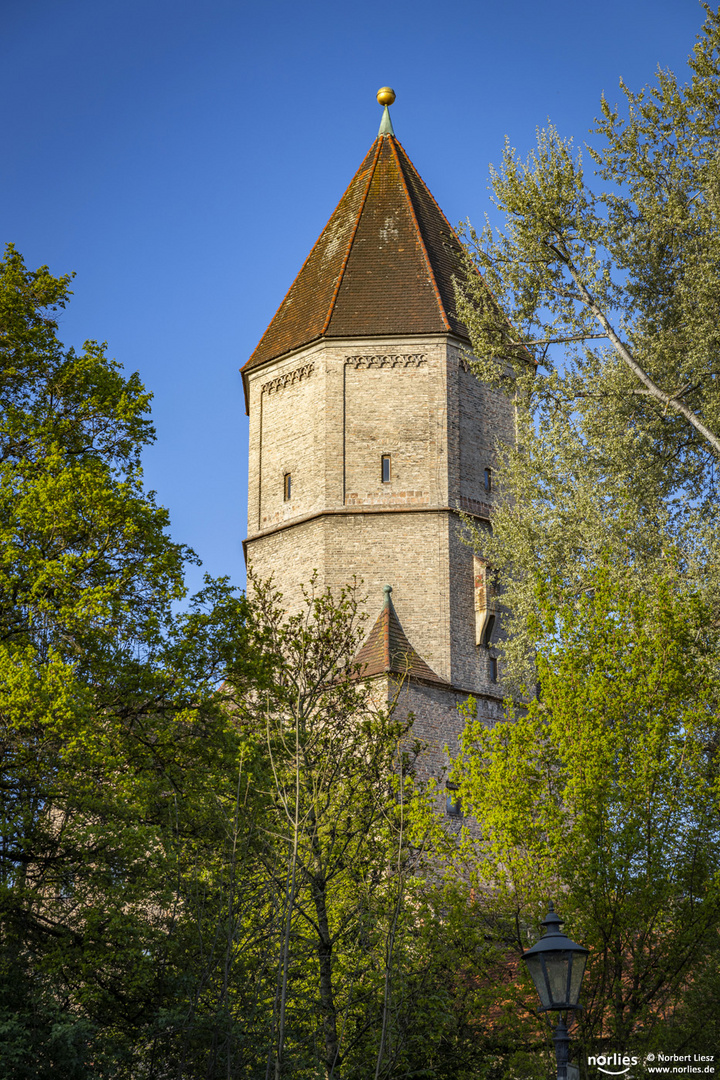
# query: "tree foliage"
109, 731
612, 290
594, 307
210, 827
604, 795
351, 961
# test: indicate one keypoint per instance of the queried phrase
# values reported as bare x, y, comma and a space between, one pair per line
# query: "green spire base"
386, 127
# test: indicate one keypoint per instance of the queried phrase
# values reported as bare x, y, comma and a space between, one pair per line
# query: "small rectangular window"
287, 486
488, 480
493, 669
385, 468
453, 805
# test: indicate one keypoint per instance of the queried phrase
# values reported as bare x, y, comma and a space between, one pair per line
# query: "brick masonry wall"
327, 414
437, 724
375, 426
282, 441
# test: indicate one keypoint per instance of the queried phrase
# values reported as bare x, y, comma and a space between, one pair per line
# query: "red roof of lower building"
387, 649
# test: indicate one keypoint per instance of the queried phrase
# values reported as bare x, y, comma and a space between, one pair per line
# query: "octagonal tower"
369, 436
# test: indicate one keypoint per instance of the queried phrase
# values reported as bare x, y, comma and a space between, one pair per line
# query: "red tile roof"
387, 649
383, 264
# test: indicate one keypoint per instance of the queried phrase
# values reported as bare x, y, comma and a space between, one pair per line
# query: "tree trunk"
327, 997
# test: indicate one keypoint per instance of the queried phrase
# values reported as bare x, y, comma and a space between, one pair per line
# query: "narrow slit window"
488, 480
489, 627
287, 487
493, 669
385, 468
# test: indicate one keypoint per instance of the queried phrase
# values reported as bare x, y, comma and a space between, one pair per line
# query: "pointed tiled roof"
383, 264
388, 650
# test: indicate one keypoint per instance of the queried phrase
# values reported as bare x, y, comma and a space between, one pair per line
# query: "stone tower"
368, 436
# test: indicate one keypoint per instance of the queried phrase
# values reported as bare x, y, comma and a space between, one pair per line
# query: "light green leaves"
611, 285
604, 794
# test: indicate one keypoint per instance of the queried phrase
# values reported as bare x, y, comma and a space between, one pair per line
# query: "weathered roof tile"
383, 264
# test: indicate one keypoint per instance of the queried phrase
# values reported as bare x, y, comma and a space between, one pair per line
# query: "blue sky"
182, 157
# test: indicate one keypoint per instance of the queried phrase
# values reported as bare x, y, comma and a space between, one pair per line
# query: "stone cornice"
374, 509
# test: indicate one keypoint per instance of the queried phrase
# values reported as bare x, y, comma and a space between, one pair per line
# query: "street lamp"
557, 966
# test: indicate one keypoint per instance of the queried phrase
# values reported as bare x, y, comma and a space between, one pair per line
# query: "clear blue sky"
182, 156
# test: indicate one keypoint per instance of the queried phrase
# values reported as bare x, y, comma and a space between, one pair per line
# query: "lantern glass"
535, 967
576, 975
557, 963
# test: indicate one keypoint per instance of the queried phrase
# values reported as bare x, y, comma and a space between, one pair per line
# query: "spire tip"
386, 96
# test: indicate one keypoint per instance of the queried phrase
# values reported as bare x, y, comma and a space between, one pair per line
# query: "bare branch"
653, 390
562, 340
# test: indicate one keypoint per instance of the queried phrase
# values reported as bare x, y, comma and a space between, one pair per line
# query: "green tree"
335, 836
594, 306
111, 736
208, 849
604, 795
333, 952
613, 292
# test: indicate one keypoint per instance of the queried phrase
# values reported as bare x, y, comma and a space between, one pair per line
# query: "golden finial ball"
386, 95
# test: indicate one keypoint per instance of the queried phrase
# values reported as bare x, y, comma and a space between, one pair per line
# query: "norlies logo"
604, 1060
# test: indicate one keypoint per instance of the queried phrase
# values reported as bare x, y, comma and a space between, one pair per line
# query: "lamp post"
557, 966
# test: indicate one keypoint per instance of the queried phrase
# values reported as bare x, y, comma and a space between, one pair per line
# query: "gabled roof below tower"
383, 264
388, 651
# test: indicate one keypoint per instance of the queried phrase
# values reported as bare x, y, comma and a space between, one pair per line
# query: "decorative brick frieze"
386, 361
287, 379
459, 359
